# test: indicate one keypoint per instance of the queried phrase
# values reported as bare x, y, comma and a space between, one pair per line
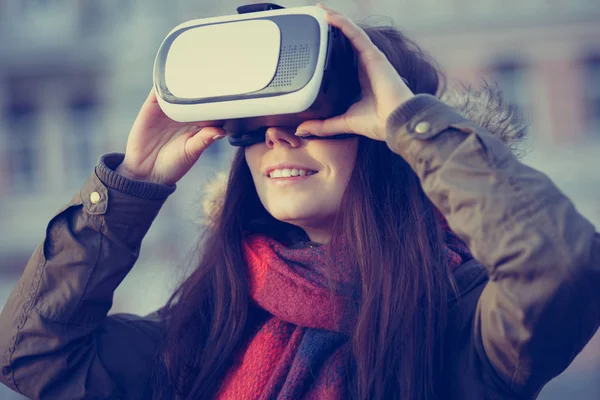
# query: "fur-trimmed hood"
483, 105
486, 107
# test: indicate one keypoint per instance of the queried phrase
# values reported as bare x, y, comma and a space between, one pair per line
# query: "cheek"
338, 159
341, 157
254, 156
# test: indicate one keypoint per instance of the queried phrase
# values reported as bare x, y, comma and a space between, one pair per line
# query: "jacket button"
95, 197
422, 127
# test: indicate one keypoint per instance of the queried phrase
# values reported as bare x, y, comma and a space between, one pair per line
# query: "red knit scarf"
298, 350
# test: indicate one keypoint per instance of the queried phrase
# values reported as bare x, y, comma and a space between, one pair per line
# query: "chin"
294, 216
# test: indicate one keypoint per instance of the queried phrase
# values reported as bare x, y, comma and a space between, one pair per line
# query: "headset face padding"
259, 136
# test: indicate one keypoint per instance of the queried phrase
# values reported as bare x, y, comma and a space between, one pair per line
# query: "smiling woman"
416, 258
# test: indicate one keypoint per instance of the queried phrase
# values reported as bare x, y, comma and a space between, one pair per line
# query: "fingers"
330, 126
197, 142
151, 107
152, 96
324, 7
357, 36
355, 33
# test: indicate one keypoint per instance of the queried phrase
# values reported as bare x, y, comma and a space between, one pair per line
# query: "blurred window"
592, 93
511, 76
92, 16
99, 16
43, 5
22, 145
62, 108
79, 139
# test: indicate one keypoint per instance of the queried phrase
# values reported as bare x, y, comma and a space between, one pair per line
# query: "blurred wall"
73, 74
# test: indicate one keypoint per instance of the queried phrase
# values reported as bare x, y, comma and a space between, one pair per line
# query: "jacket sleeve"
56, 341
541, 304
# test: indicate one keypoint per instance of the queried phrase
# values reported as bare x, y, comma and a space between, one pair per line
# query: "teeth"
287, 172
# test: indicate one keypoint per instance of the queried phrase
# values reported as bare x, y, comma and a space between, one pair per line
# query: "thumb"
199, 141
327, 127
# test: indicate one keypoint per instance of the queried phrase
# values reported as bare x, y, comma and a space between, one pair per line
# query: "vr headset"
266, 66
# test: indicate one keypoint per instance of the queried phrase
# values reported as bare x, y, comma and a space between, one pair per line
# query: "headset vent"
292, 58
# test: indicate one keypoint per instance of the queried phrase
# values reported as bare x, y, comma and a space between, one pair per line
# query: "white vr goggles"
266, 66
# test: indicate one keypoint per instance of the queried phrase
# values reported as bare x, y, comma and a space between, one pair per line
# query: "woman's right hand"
161, 150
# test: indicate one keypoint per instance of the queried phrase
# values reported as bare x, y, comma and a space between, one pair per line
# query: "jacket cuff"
420, 120
407, 110
105, 170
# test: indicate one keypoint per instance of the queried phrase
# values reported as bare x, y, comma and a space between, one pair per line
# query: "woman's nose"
282, 137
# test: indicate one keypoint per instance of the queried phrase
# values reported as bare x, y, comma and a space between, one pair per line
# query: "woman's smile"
289, 175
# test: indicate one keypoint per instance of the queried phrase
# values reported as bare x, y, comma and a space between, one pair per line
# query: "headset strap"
250, 8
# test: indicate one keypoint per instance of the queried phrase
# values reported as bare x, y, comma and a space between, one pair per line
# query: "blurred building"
73, 74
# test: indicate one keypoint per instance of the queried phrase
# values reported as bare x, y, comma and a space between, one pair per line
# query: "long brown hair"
398, 248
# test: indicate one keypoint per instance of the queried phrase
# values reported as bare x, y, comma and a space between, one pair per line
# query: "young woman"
329, 270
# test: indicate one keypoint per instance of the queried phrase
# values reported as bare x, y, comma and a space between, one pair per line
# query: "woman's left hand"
383, 90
